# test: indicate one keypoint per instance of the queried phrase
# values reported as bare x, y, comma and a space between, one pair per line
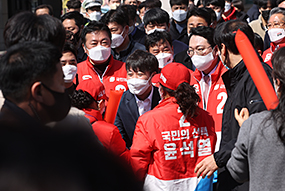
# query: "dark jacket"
138, 36
124, 54
128, 114
184, 59
175, 35
253, 13
242, 92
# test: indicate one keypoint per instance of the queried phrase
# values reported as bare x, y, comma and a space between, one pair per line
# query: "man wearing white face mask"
207, 78
178, 24
159, 44
93, 9
141, 97
100, 64
69, 67
276, 32
122, 45
158, 20
135, 33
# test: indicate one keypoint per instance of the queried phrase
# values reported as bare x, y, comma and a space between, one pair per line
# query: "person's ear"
84, 48
223, 50
36, 92
277, 81
127, 29
216, 51
168, 27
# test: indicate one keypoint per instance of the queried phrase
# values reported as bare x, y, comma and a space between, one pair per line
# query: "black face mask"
61, 107
265, 15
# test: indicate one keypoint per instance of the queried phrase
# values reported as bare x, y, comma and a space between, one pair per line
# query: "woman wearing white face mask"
69, 66
122, 46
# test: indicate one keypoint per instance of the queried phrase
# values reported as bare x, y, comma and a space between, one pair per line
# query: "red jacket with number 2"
167, 147
217, 96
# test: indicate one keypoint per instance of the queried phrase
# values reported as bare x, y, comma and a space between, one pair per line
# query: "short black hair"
155, 37
150, 4
212, 13
76, 16
26, 26
94, 26
73, 4
118, 16
225, 33
262, 3
155, 16
143, 61
130, 10
178, 2
205, 32
238, 4
24, 64
45, 6
279, 1
142, 5
219, 3
69, 47
200, 12
81, 99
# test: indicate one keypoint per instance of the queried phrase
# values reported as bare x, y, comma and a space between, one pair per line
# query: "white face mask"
156, 29
164, 59
99, 54
179, 15
227, 6
202, 63
114, 6
138, 86
95, 16
69, 72
218, 14
117, 39
276, 34
131, 29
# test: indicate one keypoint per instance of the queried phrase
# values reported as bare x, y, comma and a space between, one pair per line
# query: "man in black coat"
242, 93
141, 97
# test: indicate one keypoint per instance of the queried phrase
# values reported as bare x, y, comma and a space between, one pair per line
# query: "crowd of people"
190, 117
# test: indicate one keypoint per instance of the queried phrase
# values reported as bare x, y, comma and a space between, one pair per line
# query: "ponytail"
186, 98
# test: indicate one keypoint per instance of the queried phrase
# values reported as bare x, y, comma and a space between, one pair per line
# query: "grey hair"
276, 10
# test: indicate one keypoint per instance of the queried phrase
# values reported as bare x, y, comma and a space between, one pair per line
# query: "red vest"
114, 77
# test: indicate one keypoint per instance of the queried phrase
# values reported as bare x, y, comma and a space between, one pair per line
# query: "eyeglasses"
275, 25
199, 51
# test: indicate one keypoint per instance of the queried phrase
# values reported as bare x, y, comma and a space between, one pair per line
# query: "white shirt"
144, 105
202, 85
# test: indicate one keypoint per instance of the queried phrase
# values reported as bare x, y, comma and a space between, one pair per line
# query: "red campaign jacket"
167, 147
114, 78
217, 94
267, 54
93, 115
108, 134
